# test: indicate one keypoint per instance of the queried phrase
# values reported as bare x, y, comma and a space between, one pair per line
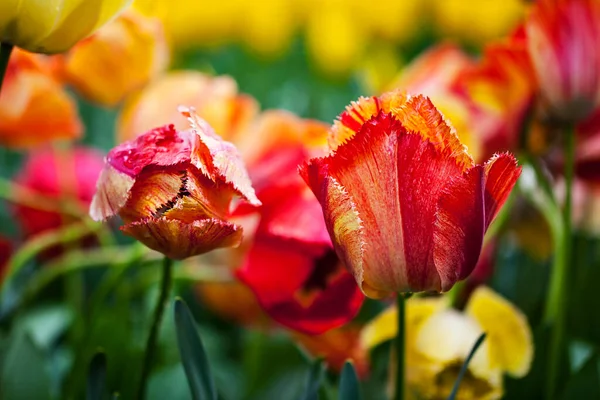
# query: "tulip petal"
416, 113
501, 172
112, 193
163, 147
153, 190
279, 275
178, 239
508, 334
343, 222
217, 158
459, 227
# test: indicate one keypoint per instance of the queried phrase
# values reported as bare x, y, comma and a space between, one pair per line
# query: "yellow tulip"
53, 26
439, 339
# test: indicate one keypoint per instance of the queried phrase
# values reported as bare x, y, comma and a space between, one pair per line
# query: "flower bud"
53, 26
173, 189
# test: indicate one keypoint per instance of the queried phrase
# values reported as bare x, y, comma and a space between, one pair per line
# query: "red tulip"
564, 44
404, 203
292, 266
173, 189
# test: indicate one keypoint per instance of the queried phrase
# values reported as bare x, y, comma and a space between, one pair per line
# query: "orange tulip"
34, 107
119, 59
216, 99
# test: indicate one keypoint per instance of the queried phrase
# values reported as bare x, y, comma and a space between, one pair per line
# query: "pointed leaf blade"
193, 356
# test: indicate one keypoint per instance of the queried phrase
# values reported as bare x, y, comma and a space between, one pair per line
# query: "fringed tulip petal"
215, 157
508, 334
181, 239
501, 174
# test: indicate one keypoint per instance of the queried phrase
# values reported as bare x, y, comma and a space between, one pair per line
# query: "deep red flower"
291, 266
173, 189
563, 39
404, 203
67, 175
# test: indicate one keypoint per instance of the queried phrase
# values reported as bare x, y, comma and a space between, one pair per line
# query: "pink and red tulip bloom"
173, 189
403, 201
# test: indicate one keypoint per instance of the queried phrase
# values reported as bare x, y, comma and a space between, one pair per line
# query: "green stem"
45, 241
163, 298
5, 52
400, 346
465, 366
558, 296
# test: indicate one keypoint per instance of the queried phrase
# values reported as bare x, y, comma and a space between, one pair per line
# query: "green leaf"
463, 369
349, 384
24, 375
193, 356
96, 380
585, 384
315, 378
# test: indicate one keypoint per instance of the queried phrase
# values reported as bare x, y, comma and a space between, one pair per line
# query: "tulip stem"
5, 52
165, 288
400, 345
558, 296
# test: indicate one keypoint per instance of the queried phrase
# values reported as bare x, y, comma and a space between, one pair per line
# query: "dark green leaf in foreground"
463, 369
349, 384
315, 377
96, 380
24, 375
193, 355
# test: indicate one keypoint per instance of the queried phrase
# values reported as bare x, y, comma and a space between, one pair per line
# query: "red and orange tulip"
404, 203
173, 189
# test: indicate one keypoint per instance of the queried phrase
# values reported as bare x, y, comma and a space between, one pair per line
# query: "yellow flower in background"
439, 338
488, 19
378, 67
196, 23
268, 26
393, 20
120, 58
53, 26
335, 38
